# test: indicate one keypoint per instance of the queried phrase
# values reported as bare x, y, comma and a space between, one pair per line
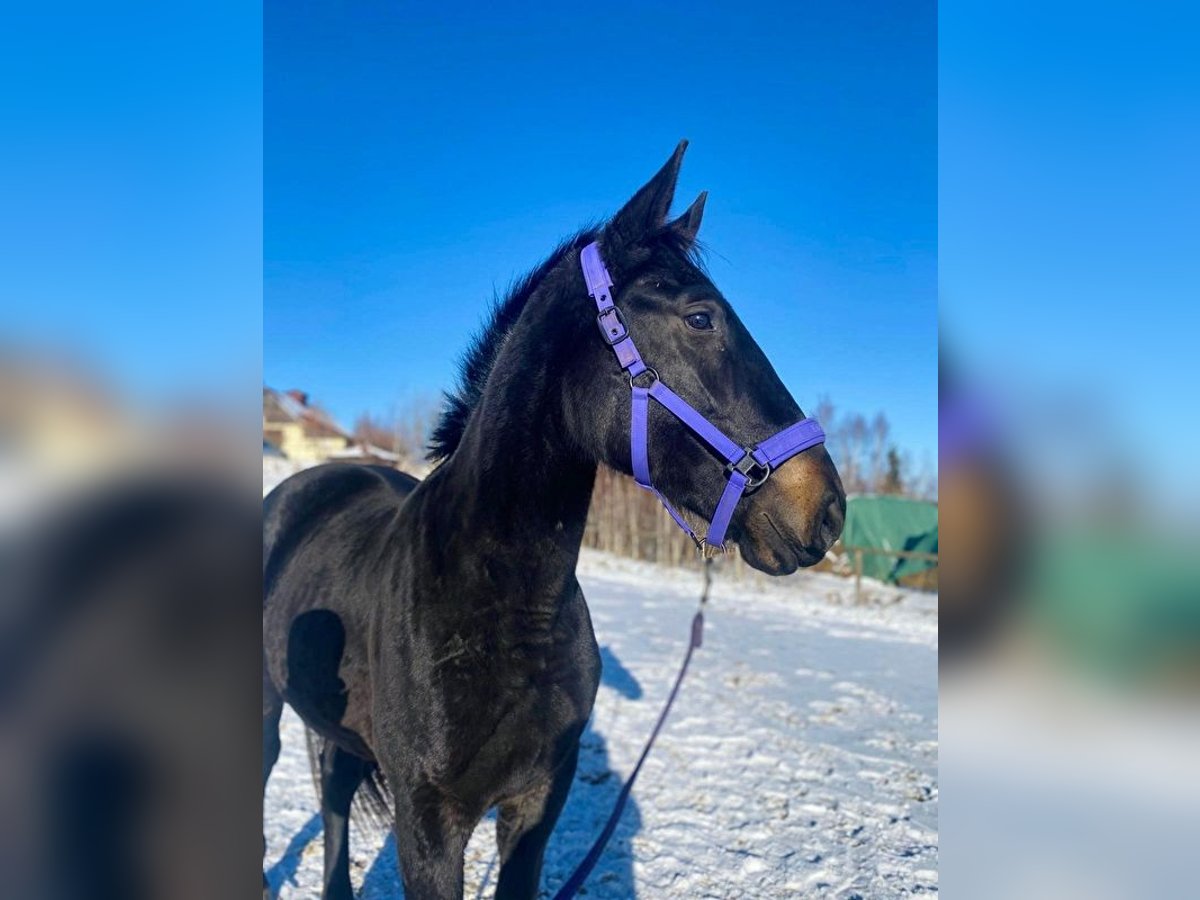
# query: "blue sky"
413, 163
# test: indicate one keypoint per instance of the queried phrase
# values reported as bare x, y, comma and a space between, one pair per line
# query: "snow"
276, 469
800, 759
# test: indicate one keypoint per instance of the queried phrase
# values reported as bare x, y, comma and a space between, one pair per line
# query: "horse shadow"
591, 801
284, 870
593, 795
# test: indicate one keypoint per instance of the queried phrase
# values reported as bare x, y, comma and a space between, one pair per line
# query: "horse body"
435, 630
467, 686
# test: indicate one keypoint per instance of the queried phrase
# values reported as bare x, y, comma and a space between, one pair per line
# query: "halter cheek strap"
746, 468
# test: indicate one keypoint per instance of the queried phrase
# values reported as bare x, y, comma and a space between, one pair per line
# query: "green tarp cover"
1124, 603
891, 523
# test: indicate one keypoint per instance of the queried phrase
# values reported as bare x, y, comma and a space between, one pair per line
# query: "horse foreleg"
523, 829
430, 840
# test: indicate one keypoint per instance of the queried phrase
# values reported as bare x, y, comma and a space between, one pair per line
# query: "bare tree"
404, 430
371, 429
867, 458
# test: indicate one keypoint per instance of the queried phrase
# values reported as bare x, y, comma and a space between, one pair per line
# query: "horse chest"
508, 708
513, 744
543, 682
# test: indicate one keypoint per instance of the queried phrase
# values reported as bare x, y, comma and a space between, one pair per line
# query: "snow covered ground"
800, 759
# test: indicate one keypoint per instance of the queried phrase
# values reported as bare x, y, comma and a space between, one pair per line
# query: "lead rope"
579, 876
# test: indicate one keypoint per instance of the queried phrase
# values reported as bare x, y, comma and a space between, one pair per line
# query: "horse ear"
648, 209
687, 226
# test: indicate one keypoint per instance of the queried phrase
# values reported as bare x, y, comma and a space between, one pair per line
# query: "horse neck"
521, 483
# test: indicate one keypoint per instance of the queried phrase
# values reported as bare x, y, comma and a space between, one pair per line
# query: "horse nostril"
831, 525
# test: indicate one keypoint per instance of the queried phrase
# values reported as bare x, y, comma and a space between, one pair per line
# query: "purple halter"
747, 468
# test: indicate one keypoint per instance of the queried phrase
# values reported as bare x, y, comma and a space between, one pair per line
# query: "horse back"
298, 505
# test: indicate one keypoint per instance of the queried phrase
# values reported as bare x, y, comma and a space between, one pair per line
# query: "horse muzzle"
793, 520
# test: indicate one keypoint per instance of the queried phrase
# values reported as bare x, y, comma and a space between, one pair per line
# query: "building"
303, 433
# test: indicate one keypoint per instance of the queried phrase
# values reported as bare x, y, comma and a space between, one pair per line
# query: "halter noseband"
747, 468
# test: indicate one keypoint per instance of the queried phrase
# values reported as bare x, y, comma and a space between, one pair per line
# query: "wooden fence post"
858, 567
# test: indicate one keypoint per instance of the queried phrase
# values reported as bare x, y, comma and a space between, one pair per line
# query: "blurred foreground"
1070, 675
129, 646
130, 344
1070, 592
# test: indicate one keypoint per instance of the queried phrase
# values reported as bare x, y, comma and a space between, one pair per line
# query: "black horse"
433, 631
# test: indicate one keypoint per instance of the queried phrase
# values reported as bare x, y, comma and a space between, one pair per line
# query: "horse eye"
701, 321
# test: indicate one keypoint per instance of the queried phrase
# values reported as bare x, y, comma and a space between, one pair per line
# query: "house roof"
281, 408
273, 410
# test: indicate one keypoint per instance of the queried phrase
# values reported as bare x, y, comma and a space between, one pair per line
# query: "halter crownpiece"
746, 467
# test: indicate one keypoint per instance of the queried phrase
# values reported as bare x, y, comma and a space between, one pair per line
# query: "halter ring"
650, 369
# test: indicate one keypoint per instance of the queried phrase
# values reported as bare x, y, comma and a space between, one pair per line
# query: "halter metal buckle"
612, 325
748, 464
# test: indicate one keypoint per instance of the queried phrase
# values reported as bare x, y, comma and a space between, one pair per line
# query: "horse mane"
475, 365
477, 361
